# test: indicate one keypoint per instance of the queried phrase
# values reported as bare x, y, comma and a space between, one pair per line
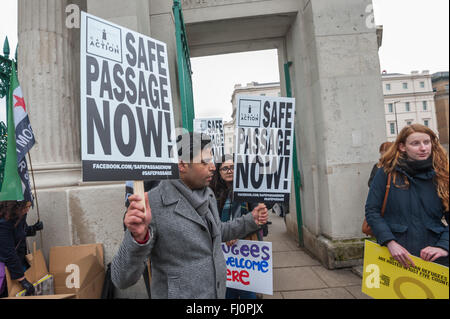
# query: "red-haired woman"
418, 200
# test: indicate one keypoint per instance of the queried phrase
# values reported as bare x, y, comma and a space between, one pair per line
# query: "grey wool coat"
187, 261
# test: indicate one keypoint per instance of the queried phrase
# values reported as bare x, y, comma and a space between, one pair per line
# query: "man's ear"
182, 166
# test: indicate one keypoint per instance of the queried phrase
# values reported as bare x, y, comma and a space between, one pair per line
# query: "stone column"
49, 74
340, 121
73, 212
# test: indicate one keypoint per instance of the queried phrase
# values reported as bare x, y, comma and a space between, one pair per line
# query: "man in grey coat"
181, 232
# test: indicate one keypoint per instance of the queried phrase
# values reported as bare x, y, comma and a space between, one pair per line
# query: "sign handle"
138, 188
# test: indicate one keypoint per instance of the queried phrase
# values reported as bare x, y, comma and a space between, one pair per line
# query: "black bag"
108, 286
265, 229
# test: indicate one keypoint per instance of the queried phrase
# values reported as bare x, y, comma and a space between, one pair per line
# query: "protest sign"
249, 266
264, 144
127, 122
213, 127
386, 278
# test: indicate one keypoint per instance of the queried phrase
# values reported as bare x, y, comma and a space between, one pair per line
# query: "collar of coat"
170, 196
423, 176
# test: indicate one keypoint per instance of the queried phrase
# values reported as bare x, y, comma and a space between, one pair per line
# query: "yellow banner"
386, 278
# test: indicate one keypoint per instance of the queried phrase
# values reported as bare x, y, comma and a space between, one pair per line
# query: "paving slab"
337, 277
328, 293
298, 275
276, 295
282, 259
296, 278
281, 246
357, 293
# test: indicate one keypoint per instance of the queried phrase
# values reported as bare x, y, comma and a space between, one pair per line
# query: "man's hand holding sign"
260, 214
137, 219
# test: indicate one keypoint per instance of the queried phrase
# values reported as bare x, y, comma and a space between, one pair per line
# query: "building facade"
439, 81
254, 88
408, 99
228, 128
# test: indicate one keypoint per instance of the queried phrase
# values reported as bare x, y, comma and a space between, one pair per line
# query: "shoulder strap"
388, 186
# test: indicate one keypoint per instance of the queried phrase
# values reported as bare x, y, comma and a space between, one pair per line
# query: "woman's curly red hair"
439, 156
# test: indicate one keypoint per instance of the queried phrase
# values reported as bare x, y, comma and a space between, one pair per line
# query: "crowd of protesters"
179, 230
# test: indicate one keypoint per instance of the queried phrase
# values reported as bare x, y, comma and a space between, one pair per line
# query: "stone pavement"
298, 275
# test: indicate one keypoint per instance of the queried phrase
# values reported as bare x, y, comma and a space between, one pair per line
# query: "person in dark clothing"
383, 148
418, 200
222, 186
13, 233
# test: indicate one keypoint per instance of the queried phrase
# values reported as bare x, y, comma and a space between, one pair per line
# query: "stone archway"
335, 74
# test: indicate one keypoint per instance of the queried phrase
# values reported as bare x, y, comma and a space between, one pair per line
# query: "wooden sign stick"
34, 263
138, 189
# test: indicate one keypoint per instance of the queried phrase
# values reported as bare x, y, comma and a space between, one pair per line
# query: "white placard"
250, 266
127, 121
213, 127
264, 145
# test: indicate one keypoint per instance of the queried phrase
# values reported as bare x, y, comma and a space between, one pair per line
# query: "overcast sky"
415, 37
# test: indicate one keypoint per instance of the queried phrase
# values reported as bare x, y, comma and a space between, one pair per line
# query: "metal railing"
184, 68
297, 176
5, 73
5, 68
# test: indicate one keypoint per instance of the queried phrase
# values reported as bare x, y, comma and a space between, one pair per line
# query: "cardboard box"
78, 272
37, 270
88, 259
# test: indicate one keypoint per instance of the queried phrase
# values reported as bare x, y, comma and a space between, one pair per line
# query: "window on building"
424, 105
407, 107
390, 107
388, 86
409, 122
422, 84
392, 127
426, 122
446, 88
405, 85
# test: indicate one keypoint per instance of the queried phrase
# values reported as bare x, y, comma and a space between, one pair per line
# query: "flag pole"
36, 198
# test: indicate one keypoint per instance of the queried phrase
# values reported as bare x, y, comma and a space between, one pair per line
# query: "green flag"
11, 188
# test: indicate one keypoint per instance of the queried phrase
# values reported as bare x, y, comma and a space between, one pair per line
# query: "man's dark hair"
191, 144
